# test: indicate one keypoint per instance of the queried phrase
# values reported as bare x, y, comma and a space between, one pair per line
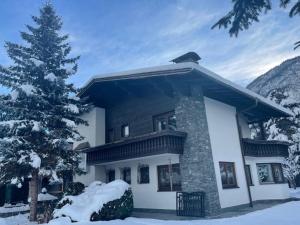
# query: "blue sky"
116, 35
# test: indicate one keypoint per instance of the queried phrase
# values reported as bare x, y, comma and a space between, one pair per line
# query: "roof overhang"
254, 106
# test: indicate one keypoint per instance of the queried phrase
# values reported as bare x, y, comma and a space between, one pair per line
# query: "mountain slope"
285, 76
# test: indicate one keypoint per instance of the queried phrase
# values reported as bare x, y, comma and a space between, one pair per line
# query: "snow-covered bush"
116, 209
99, 201
74, 188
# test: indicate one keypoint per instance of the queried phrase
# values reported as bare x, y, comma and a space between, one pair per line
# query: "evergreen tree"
40, 115
287, 129
245, 12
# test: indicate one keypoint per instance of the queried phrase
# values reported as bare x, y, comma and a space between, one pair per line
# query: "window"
169, 178
248, 175
110, 176
270, 173
277, 173
228, 176
125, 131
126, 175
143, 174
165, 121
111, 135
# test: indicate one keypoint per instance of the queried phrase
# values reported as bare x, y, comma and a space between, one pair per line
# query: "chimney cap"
187, 57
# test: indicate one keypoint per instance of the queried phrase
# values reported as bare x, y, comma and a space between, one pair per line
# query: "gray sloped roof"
184, 68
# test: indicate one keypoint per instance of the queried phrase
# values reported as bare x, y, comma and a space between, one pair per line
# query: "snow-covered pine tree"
39, 116
287, 129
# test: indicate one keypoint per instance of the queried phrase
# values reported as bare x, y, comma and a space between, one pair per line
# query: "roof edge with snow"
172, 69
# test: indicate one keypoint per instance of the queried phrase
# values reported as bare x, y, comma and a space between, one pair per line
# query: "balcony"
262, 148
140, 146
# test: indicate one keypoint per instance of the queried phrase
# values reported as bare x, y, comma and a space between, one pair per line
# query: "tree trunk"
33, 192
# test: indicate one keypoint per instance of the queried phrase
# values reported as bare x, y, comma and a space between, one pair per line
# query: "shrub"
62, 203
116, 209
74, 188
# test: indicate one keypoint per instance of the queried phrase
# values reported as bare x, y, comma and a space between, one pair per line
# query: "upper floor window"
228, 175
165, 121
270, 173
125, 130
111, 135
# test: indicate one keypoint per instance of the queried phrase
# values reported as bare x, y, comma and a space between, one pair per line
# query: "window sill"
168, 191
233, 187
268, 183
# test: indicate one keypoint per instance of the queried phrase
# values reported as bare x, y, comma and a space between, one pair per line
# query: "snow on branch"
51, 77
69, 123
35, 160
72, 108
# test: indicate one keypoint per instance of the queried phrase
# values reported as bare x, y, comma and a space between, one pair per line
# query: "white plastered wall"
94, 133
225, 146
266, 191
246, 132
147, 195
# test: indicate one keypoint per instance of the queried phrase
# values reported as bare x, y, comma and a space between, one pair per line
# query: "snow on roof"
43, 197
243, 90
154, 71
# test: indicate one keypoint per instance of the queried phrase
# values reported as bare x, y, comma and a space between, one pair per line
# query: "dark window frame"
110, 135
171, 187
108, 175
123, 175
226, 165
275, 181
141, 177
123, 134
163, 116
249, 175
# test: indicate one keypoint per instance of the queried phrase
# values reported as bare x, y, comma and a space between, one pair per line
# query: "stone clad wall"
196, 163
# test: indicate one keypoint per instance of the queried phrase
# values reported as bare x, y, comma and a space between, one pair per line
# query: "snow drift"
95, 196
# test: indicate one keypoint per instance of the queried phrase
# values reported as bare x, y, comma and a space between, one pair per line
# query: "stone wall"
196, 163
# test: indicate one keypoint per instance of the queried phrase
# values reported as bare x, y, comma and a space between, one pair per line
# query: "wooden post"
262, 130
33, 193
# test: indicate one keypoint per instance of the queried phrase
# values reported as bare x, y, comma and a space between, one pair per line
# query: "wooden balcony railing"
261, 148
145, 145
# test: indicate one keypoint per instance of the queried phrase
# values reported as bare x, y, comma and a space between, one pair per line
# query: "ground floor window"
126, 174
270, 173
143, 174
228, 175
169, 178
110, 175
249, 175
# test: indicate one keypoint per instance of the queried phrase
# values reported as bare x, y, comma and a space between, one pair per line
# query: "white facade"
226, 147
265, 191
225, 144
94, 134
147, 195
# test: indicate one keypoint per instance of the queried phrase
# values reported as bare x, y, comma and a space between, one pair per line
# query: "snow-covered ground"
20, 219
295, 193
14, 208
287, 214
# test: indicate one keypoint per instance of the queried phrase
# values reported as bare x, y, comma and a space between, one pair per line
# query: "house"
181, 128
